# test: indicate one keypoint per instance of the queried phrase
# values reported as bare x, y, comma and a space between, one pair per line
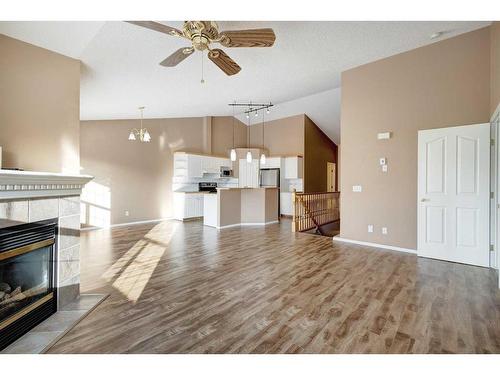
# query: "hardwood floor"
185, 288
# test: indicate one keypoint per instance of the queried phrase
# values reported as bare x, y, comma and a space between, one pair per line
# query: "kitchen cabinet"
189, 166
286, 204
248, 174
194, 166
274, 162
293, 167
188, 205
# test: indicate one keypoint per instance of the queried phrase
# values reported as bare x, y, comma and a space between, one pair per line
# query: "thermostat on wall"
385, 135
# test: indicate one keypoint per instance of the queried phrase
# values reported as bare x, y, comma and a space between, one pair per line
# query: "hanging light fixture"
249, 154
141, 133
233, 151
263, 156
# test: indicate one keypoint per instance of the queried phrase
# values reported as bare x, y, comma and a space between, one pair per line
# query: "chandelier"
142, 134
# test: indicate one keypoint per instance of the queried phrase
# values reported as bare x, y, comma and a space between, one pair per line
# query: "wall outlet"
384, 168
357, 188
370, 228
384, 230
127, 213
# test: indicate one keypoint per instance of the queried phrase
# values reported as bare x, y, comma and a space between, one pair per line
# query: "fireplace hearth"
28, 292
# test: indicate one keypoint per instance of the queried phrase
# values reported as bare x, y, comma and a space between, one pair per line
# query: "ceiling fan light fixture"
233, 154
131, 136
146, 137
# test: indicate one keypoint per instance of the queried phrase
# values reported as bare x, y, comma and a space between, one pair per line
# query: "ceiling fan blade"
223, 61
176, 57
156, 26
248, 38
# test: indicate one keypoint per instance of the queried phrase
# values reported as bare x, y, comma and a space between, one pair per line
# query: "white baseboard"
371, 244
126, 224
248, 224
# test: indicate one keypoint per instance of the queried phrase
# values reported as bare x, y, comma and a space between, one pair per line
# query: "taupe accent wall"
222, 135
39, 108
281, 137
495, 66
298, 135
137, 176
319, 150
443, 84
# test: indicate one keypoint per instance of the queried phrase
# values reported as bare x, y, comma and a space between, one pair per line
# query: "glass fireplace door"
28, 292
25, 279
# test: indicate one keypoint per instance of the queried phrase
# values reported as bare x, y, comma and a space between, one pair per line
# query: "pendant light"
233, 151
249, 154
263, 156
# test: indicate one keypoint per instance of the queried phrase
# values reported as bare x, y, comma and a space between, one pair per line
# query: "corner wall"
443, 84
39, 108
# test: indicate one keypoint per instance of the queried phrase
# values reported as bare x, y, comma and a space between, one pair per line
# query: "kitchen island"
241, 206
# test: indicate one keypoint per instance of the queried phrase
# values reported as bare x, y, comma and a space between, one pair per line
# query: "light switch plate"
357, 188
384, 168
370, 228
384, 230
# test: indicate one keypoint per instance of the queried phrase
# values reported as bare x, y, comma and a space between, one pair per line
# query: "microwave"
226, 172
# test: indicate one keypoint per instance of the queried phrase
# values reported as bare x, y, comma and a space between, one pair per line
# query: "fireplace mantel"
23, 184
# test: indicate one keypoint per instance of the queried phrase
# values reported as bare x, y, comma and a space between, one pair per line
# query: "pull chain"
202, 80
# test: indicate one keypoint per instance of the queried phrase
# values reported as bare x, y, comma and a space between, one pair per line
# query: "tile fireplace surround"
26, 197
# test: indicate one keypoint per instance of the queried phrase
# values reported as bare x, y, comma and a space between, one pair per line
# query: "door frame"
495, 123
334, 166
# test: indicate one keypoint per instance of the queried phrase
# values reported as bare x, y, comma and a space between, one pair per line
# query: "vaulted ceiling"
121, 71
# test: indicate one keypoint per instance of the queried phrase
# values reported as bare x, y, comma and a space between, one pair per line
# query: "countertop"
194, 192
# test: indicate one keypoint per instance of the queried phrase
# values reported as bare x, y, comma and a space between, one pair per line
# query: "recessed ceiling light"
437, 34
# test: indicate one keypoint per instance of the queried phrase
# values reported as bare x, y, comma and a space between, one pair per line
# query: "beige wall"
444, 84
318, 151
222, 135
495, 66
39, 108
137, 176
281, 137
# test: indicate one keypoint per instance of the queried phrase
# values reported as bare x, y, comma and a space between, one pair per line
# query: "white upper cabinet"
248, 174
293, 167
274, 162
195, 166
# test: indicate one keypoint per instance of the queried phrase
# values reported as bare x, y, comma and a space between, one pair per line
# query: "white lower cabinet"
286, 204
188, 205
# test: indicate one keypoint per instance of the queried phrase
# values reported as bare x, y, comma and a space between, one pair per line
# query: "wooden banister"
313, 210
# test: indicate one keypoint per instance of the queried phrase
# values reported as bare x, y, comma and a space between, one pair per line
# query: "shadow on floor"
329, 230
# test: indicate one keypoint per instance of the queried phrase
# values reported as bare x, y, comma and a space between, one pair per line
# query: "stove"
210, 187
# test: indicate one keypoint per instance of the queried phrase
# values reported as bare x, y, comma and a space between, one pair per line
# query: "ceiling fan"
203, 33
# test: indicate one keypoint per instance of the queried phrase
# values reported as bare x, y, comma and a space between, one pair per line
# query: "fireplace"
28, 292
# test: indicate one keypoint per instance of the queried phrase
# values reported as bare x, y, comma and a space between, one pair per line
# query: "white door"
453, 194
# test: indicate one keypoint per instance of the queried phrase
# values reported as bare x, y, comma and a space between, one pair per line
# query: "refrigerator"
270, 177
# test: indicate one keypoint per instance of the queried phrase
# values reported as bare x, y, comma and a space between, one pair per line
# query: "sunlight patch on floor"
135, 268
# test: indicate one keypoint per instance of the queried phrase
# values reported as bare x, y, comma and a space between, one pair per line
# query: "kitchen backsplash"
181, 184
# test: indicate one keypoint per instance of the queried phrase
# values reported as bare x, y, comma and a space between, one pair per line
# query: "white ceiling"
120, 65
